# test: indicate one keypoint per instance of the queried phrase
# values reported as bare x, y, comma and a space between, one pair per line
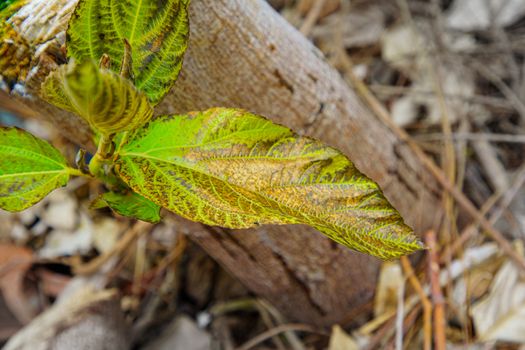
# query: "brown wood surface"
244, 54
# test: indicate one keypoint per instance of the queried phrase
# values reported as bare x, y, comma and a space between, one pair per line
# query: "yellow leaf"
107, 101
231, 168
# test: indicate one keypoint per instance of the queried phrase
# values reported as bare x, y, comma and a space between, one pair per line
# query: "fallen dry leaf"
390, 280
65, 242
329, 6
9, 325
476, 14
14, 263
62, 211
501, 314
340, 340
52, 283
362, 26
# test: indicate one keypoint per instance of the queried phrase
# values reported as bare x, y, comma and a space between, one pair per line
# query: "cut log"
244, 54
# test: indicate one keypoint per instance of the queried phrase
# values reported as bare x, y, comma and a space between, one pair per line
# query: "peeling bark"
243, 54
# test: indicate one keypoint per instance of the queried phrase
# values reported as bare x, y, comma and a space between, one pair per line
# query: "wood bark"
244, 54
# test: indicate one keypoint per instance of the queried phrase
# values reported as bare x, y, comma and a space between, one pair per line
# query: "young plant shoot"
223, 166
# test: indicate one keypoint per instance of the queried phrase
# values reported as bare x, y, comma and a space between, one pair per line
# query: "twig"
437, 296
427, 306
269, 323
490, 101
400, 316
448, 153
233, 305
491, 49
512, 66
505, 201
435, 65
174, 254
377, 339
468, 231
460, 198
509, 94
374, 324
457, 268
146, 280
277, 330
471, 136
448, 229
509, 195
492, 166
259, 305
462, 155
94, 265
312, 17
140, 265
291, 337
408, 322
381, 338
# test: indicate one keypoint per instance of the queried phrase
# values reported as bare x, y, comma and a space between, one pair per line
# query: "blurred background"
449, 72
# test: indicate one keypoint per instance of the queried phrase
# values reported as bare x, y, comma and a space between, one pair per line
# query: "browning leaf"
14, 265
235, 169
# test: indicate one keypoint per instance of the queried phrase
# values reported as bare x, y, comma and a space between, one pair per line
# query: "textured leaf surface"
107, 101
7, 7
30, 168
235, 169
158, 32
130, 205
4, 4
15, 52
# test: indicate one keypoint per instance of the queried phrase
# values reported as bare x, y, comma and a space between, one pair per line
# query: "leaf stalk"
101, 164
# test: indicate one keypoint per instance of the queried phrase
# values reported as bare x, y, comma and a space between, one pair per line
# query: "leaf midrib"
152, 198
152, 72
202, 199
183, 165
37, 155
135, 19
312, 214
31, 173
196, 169
90, 43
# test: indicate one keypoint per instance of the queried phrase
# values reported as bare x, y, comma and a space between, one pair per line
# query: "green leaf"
157, 31
7, 5
131, 205
235, 169
30, 168
107, 101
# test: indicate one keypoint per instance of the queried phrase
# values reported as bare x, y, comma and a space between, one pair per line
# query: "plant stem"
101, 163
77, 172
105, 146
